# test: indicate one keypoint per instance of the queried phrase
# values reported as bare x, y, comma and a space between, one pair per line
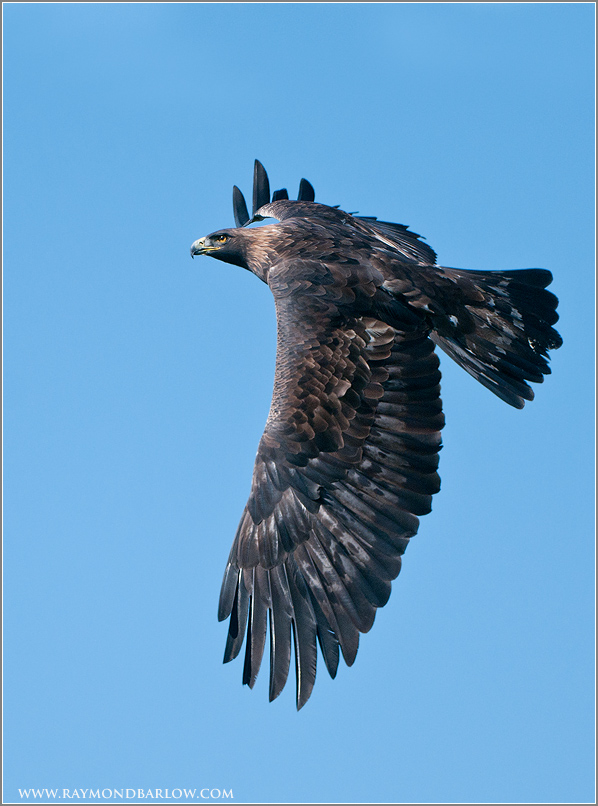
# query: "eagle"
348, 460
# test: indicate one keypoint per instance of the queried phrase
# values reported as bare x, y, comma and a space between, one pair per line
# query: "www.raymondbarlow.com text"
127, 794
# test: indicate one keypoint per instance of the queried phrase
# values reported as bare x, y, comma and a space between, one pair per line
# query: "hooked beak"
198, 247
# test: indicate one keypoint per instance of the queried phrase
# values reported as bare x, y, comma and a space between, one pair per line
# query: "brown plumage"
349, 456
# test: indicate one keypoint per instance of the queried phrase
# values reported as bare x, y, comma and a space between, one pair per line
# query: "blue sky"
137, 383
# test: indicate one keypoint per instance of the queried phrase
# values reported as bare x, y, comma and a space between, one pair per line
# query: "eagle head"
224, 244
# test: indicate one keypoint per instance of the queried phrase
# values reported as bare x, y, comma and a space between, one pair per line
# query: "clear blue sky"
138, 383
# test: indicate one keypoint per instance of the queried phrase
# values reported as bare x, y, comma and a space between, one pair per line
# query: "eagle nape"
348, 461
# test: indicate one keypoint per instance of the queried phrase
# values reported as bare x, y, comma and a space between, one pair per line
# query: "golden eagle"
349, 455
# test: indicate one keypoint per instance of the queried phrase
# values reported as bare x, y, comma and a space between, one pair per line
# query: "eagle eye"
220, 238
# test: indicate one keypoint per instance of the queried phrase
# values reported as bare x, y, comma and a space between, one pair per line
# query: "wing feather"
306, 191
239, 208
304, 632
281, 614
238, 621
258, 624
261, 186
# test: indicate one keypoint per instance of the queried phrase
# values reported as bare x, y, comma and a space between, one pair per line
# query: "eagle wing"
347, 462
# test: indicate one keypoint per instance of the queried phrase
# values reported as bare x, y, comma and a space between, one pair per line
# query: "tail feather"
498, 327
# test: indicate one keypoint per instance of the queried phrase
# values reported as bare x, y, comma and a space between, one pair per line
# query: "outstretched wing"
345, 466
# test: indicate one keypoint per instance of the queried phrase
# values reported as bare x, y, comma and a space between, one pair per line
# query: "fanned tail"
498, 327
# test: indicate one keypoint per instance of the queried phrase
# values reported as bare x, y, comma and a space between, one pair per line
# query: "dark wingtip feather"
304, 633
261, 187
257, 626
239, 208
280, 630
228, 591
280, 194
306, 191
247, 665
237, 623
